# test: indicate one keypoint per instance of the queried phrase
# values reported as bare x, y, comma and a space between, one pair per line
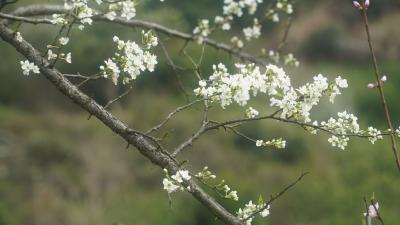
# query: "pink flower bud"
371, 85
366, 4
383, 79
357, 5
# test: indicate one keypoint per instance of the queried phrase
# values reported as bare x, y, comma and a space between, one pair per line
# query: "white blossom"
291, 60
277, 143
68, 58
232, 195
265, 212
28, 67
345, 124
148, 39
51, 55
128, 9
253, 32
275, 17
374, 134
250, 208
18, 37
58, 19
111, 69
202, 30
181, 175
237, 42
63, 40
169, 186
249, 80
205, 174
251, 113
132, 61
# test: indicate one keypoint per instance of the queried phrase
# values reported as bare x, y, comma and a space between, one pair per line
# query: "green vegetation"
58, 167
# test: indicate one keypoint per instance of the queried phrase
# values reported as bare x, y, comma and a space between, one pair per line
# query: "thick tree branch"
146, 146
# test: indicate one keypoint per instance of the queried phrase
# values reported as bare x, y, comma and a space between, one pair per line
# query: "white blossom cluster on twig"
131, 60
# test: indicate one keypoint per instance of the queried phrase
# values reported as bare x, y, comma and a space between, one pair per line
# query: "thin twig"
171, 114
278, 195
380, 86
119, 97
175, 69
283, 42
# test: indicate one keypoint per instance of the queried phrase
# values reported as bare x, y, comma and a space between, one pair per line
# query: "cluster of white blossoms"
295, 104
28, 67
221, 188
250, 209
235, 9
237, 43
344, 126
288, 60
282, 6
131, 60
202, 30
226, 191
62, 41
253, 32
174, 182
80, 10
277, 143
226, 88
346, 123
374, 134
126, 9
251, 113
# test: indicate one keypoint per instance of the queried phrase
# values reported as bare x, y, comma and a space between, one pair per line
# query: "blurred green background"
58, 167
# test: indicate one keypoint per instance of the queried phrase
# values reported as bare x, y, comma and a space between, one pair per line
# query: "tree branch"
37, 10
145, 146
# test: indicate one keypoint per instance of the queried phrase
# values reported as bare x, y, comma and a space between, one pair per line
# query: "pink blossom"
366, 4
372, 211
371, 85
357, 5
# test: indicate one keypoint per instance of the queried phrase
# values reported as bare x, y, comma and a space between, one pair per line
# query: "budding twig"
379, 84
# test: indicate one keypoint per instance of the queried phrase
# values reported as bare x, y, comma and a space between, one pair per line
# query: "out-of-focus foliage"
57, 167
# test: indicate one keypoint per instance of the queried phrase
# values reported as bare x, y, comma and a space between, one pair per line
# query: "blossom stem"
380, 86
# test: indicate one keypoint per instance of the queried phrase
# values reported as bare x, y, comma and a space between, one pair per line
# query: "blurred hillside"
58, 167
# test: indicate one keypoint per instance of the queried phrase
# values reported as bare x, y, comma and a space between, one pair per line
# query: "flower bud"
383, 79
366, 4
371, 85
357, 5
